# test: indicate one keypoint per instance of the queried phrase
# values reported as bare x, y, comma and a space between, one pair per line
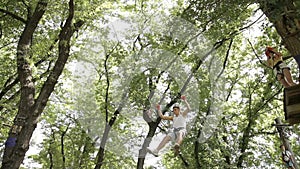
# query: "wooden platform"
292, 104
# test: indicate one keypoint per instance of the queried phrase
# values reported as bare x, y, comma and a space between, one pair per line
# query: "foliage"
235, 97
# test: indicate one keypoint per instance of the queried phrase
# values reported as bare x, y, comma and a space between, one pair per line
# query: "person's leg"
163, 142
179, 138
281, 79
288, 77
291, 164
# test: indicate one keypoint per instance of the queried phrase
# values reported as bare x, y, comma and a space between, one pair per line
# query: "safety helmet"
268, 51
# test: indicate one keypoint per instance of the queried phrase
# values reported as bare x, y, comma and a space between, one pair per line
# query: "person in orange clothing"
281, 70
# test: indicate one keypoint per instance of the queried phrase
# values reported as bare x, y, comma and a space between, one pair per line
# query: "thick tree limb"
100, 154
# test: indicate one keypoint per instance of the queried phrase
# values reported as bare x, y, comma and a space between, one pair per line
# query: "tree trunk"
100, 155
196, 150
17, 143
147, 141
108, 126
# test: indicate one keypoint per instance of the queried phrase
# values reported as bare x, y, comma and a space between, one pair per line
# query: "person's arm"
188, 108
161, 115
277, 56
270, 62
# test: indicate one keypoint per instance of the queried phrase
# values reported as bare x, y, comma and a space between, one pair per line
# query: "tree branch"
225, 60
15, 16
261, 62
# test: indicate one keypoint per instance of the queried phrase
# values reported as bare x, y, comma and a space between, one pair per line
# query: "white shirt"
286, 155
179, 121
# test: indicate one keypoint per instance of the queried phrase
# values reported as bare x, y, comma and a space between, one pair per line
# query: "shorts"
278, 68
174, 134
289, 164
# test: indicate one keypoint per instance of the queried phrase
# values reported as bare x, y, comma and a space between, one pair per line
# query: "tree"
32, 103
197, 48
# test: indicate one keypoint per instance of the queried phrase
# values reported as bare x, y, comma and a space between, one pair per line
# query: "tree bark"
30, 109
17, 143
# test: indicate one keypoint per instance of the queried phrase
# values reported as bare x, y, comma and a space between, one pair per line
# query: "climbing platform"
292, 104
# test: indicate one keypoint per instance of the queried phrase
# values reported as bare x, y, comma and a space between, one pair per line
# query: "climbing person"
281, 70
287, 157
179, 127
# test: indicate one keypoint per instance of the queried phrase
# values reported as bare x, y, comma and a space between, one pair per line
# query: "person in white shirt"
179, 127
